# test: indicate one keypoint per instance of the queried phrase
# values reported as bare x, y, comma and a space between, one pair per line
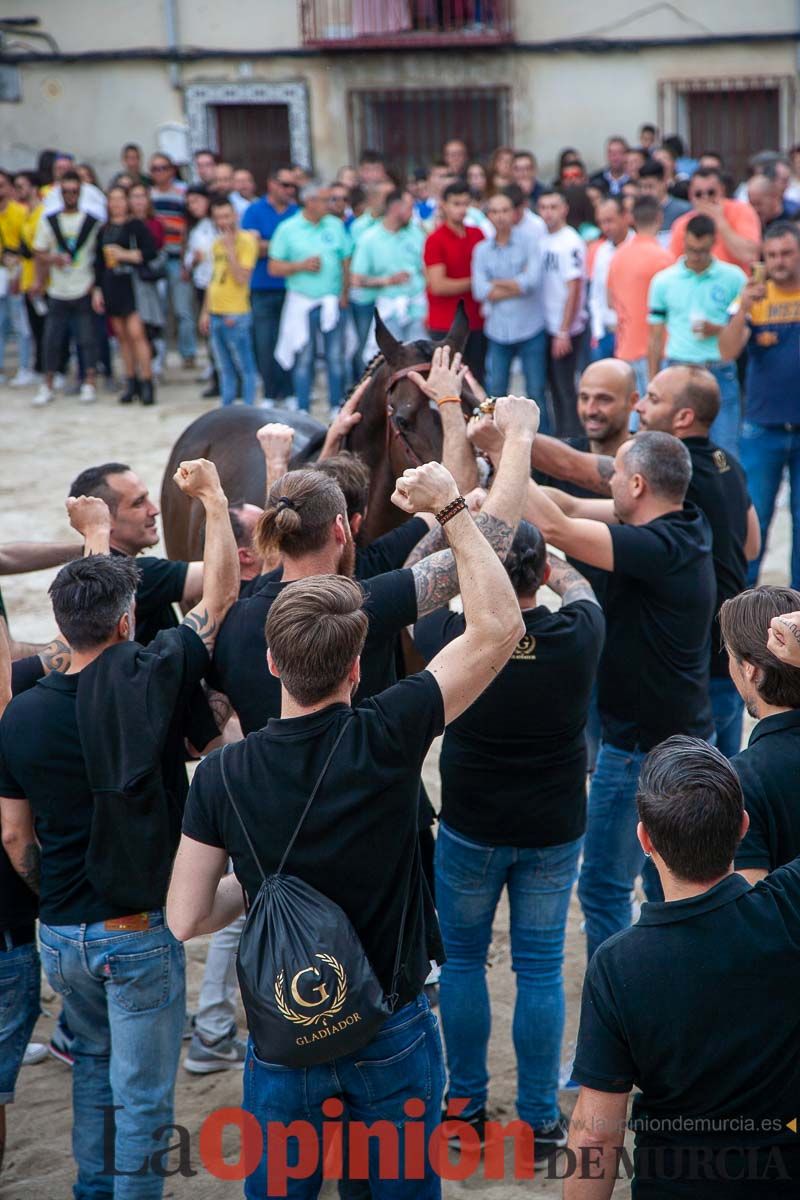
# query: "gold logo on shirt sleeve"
721, 461
526, 649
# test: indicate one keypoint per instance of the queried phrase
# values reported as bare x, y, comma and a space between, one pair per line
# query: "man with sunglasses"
64, 246
738, 229
268, 292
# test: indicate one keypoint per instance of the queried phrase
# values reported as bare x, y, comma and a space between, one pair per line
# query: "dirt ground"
40, 452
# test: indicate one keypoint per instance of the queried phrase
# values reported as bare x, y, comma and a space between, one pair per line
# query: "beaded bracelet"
449, 400
449, 511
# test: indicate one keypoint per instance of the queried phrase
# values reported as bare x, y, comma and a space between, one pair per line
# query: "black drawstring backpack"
308, 989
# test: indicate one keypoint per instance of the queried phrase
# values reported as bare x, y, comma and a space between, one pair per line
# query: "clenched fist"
516, 416
276, 441
88, 513
428, 488
198, 477
783, 638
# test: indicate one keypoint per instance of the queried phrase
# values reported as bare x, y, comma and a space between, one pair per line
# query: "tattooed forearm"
29, 866
433, 540
605, 469
220, 706
436, 577
200, 620
56, 656
568, 583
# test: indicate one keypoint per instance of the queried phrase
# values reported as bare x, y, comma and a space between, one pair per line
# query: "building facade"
317, 81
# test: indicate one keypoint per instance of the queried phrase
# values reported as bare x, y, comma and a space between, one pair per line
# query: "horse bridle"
393, 430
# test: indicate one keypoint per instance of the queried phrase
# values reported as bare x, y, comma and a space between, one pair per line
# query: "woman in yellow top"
12, 306
27, 192
226, 314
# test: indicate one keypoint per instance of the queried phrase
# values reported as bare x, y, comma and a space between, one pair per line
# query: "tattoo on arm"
200, 621
57, 656
220, 706
568, 583
31, 866
605, 467
436, 577
433, 540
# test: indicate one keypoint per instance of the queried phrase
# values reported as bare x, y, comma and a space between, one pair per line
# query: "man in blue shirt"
267, 291
506, 280
688, 304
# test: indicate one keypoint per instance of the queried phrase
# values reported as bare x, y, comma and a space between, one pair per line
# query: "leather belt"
135, 923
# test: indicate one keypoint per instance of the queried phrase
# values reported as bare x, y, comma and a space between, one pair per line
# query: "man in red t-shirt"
448, 267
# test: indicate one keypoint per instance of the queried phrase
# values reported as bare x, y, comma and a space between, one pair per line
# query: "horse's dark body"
399, 428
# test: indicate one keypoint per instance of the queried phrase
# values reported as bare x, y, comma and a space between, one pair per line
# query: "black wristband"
449, 511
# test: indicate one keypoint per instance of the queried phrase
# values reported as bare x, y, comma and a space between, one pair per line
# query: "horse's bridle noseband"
392, 428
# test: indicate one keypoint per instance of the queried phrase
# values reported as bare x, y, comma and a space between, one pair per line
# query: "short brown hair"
315, 631
301, 508
700, 394
352, 475
745, 621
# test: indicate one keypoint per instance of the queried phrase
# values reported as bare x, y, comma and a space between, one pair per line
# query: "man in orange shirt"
634, 264
738, 238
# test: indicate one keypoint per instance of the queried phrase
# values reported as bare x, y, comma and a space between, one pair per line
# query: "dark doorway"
735, 123
255, 136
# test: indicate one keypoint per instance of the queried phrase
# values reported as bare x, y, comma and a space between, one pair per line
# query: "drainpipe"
171, 17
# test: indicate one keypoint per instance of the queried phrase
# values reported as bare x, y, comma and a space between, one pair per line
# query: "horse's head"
414, 424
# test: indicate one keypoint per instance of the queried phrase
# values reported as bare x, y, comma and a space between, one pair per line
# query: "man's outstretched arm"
198, 478
553, 457
18, 557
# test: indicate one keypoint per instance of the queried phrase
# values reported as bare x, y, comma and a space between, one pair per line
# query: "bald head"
682, 400
766, 197
606, 399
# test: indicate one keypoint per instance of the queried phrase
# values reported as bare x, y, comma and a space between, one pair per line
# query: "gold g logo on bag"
312, 997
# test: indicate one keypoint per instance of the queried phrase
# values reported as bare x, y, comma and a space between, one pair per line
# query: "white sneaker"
34, 1053
87, 394
23, 378
45, 395
59, 381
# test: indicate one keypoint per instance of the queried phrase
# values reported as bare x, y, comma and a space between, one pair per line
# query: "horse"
399, 428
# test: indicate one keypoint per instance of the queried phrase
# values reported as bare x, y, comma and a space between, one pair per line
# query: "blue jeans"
303, 370
181, 300
612, 856
403, 1061
765, 451
533, 356
125, 1000
470, 878
232, 345
604, 347
727, 707
267, 306
19, 1008
14, 316
362, 315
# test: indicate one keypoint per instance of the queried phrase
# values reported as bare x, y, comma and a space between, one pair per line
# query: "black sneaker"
547, 1142
476, 1121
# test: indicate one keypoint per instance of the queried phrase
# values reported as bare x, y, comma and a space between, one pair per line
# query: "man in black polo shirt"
358, 844
769, 769
684, 401
133, 529
653, 675
696, 1006
92, 787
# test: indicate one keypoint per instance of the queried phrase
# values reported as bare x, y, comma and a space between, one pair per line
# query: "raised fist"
276, 441
198, 477
88, 512
783, 638
516, 416
428, 488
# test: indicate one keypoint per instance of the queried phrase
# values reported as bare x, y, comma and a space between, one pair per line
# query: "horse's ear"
459, 331
387, 343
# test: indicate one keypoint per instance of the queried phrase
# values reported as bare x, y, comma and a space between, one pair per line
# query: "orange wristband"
449, 400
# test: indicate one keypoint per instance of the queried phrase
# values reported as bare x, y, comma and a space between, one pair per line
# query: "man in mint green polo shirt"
362, 299
688, 307
388, 261
311, 251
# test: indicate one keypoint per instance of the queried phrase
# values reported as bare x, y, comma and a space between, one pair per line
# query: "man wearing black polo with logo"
769, 767
72, 748
653, 675
684, 401
695, 1006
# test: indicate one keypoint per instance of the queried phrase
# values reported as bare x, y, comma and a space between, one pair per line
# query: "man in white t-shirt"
64, 246
615, 227
566, 317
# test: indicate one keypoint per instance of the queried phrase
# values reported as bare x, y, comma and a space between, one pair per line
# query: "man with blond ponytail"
357, 844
